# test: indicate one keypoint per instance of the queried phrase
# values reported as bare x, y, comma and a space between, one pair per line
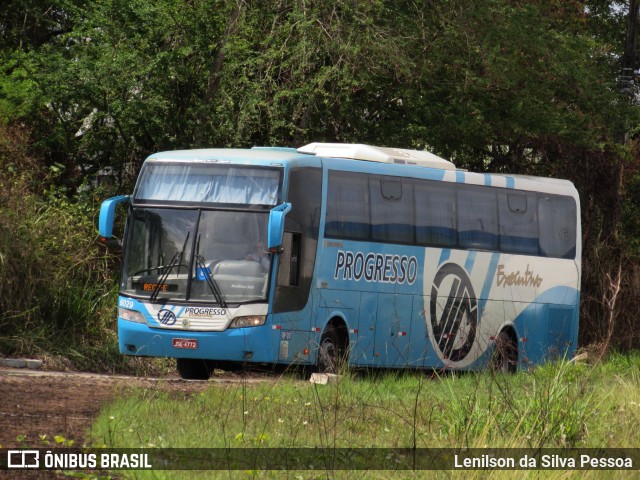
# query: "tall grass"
553, 406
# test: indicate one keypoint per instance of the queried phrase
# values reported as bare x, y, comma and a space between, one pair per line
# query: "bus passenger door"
392, 347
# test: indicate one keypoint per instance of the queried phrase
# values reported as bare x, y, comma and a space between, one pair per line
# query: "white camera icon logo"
23, 459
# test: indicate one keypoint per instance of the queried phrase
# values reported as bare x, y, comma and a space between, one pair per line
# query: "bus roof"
225, 154
358, 151
388, 159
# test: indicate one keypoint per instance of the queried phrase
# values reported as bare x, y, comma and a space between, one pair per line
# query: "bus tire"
505, 354
332, 353
192, 369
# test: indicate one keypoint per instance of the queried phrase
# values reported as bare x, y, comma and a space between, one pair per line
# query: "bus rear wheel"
332, 354
505, 354
193, 369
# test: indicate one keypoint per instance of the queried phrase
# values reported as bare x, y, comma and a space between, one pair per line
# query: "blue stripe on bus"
444, 255
487, 180
460, 177
511, 182
488, 281
471, 258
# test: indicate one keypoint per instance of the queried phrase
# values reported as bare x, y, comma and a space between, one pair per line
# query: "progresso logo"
166, 317
454, 312
375, 267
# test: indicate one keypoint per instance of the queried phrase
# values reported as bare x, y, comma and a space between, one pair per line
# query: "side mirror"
276, 226
107, 213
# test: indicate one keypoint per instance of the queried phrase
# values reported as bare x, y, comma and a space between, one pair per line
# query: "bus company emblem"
454, 324
166, 317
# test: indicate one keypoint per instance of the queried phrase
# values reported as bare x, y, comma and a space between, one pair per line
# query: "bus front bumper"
237, 345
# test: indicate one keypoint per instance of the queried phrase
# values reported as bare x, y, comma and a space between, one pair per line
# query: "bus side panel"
467, 298
530, 325
548, 328
377, 282
559, 334
392, 346
488, 292
294, 343
362, 350
462, 311
422, 352
492, 320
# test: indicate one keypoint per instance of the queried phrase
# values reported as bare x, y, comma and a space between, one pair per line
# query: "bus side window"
477, 218
557, 216
289, 267
518, 222
435, 207
348, 206
392, 218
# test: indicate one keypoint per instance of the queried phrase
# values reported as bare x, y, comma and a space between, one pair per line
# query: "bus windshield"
200, 255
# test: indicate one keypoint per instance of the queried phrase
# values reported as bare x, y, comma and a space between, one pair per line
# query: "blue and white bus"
343, 253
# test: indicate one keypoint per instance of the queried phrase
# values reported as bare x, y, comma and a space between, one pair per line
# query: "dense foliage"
500, 85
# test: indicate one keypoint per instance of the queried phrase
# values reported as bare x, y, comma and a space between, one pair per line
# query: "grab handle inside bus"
107, 213
276, 227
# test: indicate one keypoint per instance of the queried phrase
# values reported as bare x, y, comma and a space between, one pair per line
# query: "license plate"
187, 343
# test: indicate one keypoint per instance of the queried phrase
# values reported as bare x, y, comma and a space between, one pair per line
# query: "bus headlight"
131, 315
250, 321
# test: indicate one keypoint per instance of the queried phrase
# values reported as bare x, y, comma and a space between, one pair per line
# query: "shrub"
58, 285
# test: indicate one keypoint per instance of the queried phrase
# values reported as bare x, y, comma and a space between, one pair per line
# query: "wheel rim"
503, 355
327, 356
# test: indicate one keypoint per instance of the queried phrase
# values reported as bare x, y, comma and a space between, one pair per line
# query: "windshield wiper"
151, 269
201, 264
175, 260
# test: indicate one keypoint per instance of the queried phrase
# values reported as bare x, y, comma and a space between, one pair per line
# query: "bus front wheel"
505, 354
192, 369
332, 354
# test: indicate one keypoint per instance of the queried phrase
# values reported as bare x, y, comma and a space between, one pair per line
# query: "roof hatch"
357, 151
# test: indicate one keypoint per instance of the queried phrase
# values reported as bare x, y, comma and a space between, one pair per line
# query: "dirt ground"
42, 404
35, 404
38, 405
